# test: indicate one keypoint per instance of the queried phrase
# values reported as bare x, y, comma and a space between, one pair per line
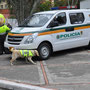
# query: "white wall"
85, 4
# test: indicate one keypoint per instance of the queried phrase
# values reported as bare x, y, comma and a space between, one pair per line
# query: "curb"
19, 86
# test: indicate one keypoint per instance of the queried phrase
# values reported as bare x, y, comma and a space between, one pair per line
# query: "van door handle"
68, 29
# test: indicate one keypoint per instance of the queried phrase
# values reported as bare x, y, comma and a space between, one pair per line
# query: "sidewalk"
19, 86
21, 75
65, 70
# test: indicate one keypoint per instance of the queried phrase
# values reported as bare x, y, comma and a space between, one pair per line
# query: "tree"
68, 2
78, 3
44, 6
23, 8
60, 3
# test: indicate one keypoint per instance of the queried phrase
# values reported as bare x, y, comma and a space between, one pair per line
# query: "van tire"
44, 51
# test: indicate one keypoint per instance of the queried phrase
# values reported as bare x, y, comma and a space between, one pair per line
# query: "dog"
16, 54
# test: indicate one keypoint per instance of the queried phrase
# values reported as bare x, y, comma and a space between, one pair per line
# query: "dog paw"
11, 64
34, 63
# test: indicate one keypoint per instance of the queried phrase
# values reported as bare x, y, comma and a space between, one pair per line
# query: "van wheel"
44, 51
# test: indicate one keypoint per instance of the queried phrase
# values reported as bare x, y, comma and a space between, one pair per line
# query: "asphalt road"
65, 70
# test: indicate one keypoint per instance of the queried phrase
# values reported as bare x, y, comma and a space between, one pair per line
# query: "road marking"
44, 73
14, 85
48, 73
40, 73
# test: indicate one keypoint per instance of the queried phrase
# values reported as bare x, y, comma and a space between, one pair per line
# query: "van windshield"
37, 20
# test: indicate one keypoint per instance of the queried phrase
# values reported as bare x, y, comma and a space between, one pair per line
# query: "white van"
52, 31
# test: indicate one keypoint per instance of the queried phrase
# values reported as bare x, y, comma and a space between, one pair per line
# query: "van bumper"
21, 46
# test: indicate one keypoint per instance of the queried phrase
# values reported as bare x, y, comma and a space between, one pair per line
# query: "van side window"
76, 18
58, 20
61, 18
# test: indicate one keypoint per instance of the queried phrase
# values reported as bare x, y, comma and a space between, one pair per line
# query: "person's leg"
1, 49
6, 50
1, 44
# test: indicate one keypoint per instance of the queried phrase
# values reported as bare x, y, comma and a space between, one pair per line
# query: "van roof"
48, 12
56, 11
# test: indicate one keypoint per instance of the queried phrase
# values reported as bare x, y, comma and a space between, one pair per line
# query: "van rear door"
78, 22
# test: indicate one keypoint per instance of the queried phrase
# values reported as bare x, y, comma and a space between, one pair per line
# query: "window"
1, 6
76, 18
37, 20
6, 6
58, 20
61, 18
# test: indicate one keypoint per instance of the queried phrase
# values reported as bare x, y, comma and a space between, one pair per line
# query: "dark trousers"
2, 39
2, 48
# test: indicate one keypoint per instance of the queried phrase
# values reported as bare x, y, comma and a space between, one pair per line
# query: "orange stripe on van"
25, 34
84, 27
51, 32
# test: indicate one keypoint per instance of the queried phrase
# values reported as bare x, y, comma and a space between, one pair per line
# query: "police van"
51, 31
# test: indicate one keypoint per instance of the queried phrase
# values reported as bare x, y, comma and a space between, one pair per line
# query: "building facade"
85, 4
3, 4
4, 8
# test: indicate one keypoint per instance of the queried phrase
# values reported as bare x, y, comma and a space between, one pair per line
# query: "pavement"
65, 70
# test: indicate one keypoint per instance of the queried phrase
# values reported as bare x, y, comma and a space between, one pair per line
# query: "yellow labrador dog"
19, 53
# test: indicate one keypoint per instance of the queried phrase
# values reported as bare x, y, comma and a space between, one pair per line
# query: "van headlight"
31, 38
